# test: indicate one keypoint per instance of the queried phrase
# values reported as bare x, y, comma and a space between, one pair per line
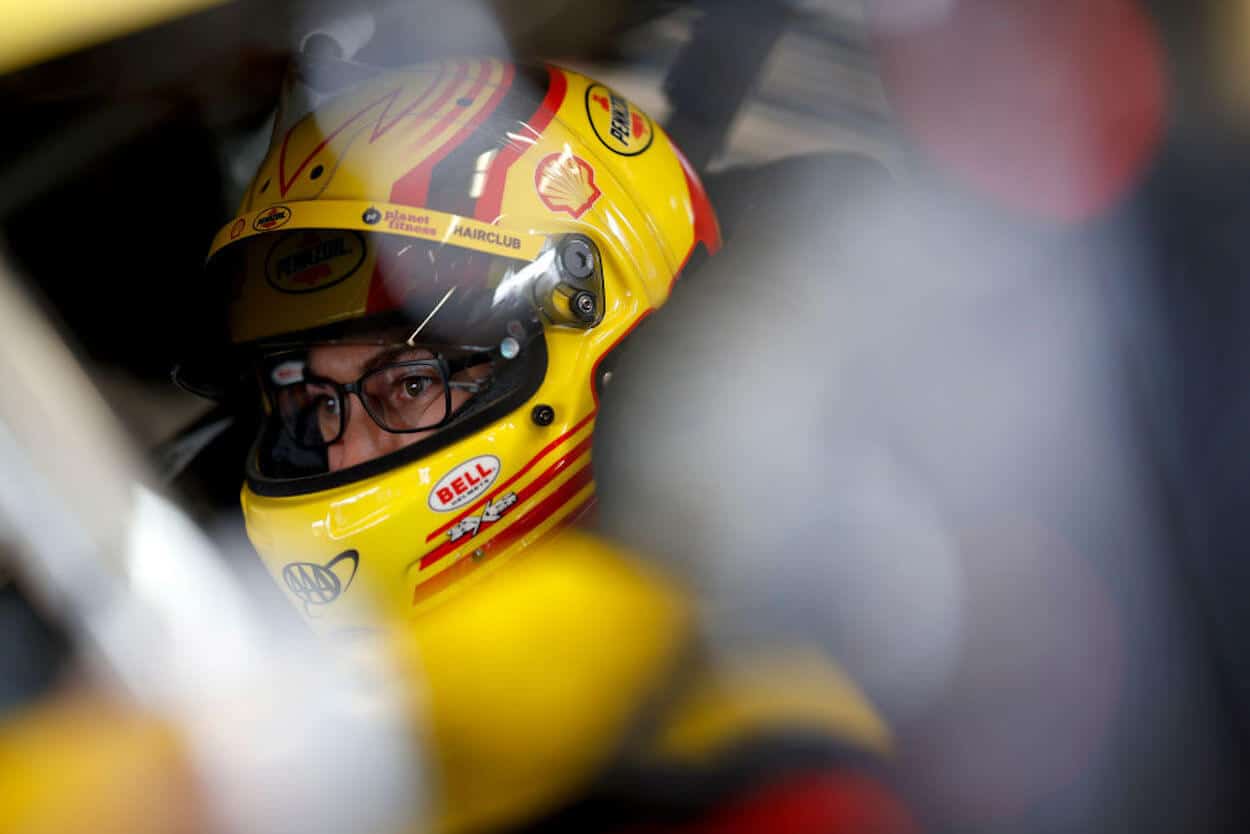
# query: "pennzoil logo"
271, 218
308, 261
620, 126
566, 183
316, 585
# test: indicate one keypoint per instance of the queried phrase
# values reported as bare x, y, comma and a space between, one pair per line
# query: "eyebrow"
390, 355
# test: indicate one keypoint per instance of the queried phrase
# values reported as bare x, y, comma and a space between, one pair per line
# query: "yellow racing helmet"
425, 275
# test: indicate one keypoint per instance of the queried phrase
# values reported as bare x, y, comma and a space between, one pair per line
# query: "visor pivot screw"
577, 259
509, 348
543, 415
584, 306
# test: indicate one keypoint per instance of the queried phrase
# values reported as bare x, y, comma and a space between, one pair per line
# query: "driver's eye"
330, 405
414, 386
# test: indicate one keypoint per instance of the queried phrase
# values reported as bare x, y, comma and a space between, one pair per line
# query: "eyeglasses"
401, 397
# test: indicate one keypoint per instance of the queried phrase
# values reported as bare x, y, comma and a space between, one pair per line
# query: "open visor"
454, 311
316, 267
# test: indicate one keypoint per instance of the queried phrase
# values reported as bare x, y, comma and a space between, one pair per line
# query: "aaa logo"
317, 585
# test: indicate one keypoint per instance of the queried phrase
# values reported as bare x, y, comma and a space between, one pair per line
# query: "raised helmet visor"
469, 299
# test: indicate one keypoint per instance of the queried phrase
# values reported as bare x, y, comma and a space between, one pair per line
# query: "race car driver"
427, 277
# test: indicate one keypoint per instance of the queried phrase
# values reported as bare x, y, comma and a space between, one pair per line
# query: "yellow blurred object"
574, 660
766, 689
536, 675
35, 32
82, 763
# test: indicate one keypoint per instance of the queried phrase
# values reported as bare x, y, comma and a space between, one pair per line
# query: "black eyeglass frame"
447, 369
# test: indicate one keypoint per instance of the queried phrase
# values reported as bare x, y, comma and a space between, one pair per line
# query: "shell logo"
566, 183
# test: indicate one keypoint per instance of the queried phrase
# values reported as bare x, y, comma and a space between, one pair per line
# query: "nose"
363, 439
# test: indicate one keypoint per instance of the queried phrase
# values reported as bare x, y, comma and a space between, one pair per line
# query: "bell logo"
463, 484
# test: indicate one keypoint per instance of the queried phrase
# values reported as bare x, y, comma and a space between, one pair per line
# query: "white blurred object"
903, 15
350, 26
285, 735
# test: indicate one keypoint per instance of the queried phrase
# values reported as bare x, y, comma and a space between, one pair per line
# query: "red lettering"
311, 275
444, 494
468, 476
459, 487
602, 101
485, 473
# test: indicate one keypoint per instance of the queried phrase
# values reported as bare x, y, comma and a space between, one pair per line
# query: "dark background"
117, 170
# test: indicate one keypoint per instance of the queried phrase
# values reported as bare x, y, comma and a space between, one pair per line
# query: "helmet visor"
401, 394
401, 321
352, 407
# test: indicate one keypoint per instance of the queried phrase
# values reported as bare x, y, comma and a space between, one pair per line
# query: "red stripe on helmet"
379, 128
527, 492
545, 510
489, 203
477, 505
458, 571
706, 228
413, 187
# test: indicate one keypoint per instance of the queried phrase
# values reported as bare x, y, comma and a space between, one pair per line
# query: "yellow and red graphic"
566, 182
271, 218
391, 218
620, 126
237, 228
420, 119
576, 456
309, 260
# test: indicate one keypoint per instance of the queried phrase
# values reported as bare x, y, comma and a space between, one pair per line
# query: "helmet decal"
532, 126
464, 483
566, 183
618, 124
427, 106
268, 220
316, 585
312, 260
475, 100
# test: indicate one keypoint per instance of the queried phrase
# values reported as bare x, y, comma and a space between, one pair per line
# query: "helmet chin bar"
569, 288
